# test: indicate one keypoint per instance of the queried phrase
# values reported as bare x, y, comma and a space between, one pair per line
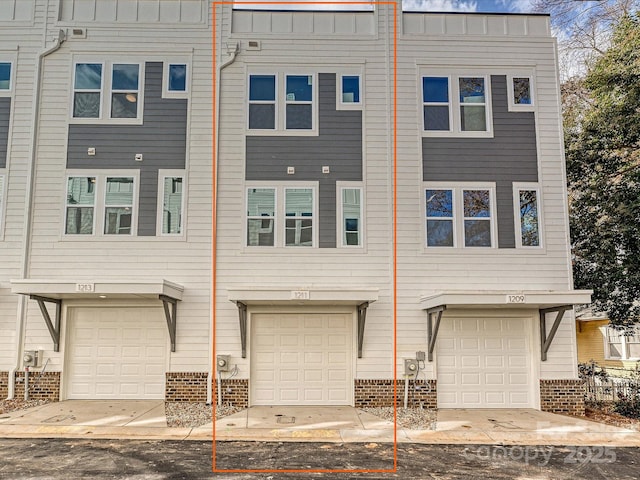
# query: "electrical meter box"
410, 366
32, 358
222, 363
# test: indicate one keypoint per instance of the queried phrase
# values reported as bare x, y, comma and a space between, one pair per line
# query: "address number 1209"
515, 298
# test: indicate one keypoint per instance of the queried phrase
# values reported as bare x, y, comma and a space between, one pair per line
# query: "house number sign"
516, 299
85, 287
300, 295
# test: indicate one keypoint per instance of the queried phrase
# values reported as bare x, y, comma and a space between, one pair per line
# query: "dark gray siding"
510, 156
338, 145
5, 112
161, 139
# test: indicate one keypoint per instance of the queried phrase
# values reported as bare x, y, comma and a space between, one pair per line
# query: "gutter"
28, 217
232, 51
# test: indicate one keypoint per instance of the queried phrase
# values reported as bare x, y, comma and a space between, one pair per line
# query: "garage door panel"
110, 359
483, 363
313, 364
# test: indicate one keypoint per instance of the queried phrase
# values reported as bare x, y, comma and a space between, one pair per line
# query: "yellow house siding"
591, 340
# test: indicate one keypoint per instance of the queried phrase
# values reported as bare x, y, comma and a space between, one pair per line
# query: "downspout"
26, 253
233, 52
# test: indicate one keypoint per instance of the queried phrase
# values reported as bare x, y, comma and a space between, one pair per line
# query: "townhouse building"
336, 204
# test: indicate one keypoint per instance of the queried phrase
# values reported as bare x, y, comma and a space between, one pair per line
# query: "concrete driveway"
140, 419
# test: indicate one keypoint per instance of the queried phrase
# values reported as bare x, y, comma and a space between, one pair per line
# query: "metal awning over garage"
308, 296
55, 291
545, 302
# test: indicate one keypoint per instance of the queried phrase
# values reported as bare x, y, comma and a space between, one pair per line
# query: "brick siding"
45, 387
379, 393
235, 391
562, 396
4, 385
186, 387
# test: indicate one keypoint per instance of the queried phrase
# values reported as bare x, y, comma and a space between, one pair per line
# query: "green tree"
603, 167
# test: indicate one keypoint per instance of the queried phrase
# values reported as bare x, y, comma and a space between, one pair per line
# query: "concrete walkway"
140, 419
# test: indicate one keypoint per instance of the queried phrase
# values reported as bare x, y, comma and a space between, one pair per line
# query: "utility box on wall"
32, 358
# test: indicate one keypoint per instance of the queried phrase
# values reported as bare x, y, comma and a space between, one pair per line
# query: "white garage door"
484, 363
301, 359
116, 353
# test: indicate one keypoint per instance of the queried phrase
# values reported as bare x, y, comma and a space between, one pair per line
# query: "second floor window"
5, 76
113, 88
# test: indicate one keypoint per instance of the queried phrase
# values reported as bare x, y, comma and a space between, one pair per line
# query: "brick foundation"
235, 391
45, 387
562, 396
379, 393
186, 387
4, 385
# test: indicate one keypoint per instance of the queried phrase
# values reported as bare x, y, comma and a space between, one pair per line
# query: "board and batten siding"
185, 261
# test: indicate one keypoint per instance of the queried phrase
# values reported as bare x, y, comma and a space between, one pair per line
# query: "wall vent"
254, 45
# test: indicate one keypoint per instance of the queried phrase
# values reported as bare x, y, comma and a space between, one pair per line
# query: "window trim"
114, 91
100, 204
281, 102
455, 119
166, 93
106, 91
280, 218
517, 188
517, 107
340, 104
623, 346
169, 173
457, 189
12, 77
340, 233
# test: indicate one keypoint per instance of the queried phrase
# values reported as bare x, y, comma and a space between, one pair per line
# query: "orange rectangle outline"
214, 169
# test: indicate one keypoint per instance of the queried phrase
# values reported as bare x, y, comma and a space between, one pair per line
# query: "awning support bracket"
54, 327
362, 318
242, 317
432, 330
545, 340
170, 312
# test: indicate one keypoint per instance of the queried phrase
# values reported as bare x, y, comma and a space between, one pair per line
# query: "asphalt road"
172, 460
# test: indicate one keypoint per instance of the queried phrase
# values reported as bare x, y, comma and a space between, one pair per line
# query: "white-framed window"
622, 346
282, 102
457, 105
460, 216
527, 216
171, 200
350, 215
349, 91
107, 92
101, 204
281, 215
175, 79
520, 92
6, 76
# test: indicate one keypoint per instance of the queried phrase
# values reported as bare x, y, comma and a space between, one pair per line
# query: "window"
622, 346
350, 87
299, 101
5, 76
86, 90
94, 200
262, 102
177, 81
456, 105
351, 217
80, 205
435, 93
282, 102
104, 87
527, 217
261, 213
460, 216
520, 92
124, 90
171, 208
281, 216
